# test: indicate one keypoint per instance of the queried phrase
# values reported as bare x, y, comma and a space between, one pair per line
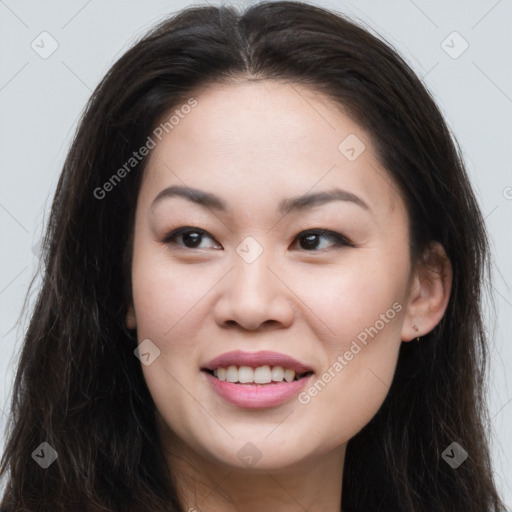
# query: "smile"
256, 380
259, 375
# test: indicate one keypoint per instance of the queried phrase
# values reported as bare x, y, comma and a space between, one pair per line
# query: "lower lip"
256, 396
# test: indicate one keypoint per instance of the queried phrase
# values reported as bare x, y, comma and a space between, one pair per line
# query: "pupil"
192, 239
310, 242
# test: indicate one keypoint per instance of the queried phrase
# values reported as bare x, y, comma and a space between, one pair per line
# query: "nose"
254, 296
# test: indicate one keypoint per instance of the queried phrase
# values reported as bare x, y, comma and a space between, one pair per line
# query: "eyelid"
339, 239
169, 237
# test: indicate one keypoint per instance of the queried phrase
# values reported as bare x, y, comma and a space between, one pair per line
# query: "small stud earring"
415, 327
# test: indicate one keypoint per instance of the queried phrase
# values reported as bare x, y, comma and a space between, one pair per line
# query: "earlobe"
131, 320
429, 293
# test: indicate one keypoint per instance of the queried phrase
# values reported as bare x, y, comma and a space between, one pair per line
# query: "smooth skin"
253, 145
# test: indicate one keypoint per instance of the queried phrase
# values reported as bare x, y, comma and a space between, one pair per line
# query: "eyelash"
338, 239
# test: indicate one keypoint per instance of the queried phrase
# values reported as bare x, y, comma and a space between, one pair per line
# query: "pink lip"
255, 396
255, 359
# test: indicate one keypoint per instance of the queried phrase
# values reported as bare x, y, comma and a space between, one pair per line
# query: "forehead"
264, 140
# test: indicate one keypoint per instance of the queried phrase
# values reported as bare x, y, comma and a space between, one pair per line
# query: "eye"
312, 239
190, 237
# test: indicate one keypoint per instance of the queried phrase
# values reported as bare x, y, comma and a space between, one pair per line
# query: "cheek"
349, 400
167, 300
346, 300
164, 294
360, 308
361, 360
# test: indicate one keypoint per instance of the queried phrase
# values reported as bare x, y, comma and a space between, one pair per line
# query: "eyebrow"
299, 203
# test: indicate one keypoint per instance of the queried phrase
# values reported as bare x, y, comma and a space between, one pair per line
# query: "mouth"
255, 380
256, 395
260, 375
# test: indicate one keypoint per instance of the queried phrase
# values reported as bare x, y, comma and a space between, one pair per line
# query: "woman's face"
296, 247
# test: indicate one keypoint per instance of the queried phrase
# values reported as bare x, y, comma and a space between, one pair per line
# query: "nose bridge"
252, 277
253, 294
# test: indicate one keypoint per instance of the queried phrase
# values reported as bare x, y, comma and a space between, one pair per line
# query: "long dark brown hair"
79, 387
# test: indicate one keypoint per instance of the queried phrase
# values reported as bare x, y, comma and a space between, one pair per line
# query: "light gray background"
41, 99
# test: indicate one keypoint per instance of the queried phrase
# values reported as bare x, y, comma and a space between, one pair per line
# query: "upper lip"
256, 359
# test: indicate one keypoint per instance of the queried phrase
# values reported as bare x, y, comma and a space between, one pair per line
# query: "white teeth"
245, 374
289, 375
260, 375
232, 374
278, 373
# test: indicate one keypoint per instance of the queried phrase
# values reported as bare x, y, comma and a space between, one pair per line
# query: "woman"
262, 285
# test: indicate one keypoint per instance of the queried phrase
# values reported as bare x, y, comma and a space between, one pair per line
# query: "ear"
429, 292
131, 319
